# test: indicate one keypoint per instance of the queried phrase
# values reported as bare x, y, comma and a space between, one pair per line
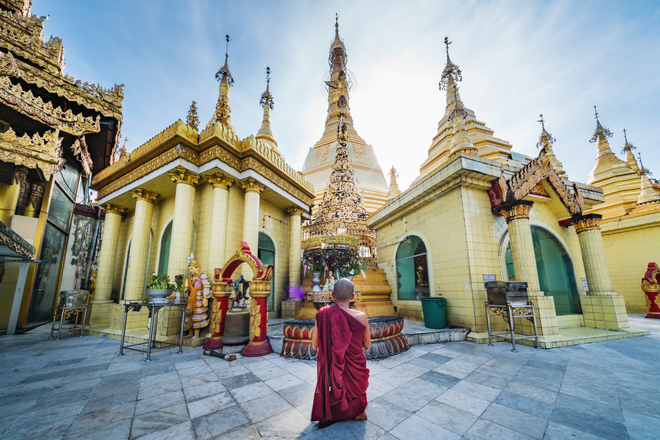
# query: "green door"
555, 269
267, 256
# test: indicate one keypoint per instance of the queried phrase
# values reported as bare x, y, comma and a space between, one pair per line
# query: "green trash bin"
435, 314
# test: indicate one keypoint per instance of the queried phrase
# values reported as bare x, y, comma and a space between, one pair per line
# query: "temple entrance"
555, 270
411, 269
266, 253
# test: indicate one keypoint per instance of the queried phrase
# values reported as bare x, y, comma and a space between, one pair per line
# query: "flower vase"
316, 282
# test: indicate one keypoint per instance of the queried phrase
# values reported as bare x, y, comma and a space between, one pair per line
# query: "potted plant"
159, 287
179, 280
352, 269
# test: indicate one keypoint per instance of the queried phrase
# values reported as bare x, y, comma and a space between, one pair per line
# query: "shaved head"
343, 289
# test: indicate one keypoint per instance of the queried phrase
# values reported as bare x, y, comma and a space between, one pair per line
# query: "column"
295, 214
601, 307
522, 247
9, 196
221, 184
108, 256
135, 278
18, 297
593, 254
259, 344
251, 213
182, 224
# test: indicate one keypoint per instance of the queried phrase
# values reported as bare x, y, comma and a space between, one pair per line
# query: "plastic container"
435, 313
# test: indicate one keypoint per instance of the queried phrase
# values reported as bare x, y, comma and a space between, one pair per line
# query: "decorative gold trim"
182, 175
517, 212
81, 150
320, 240
294, 210
255, 320
219, 180
49, 54
590, 222
252, 163
251, 185
109, 208
145, 196
26, 103
43, 152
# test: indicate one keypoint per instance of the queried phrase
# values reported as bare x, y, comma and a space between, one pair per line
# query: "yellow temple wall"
631, 242
464, 242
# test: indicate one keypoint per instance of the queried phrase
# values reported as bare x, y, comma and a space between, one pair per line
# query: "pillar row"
522, 246
182, 223
221, 184
108, 255
135, 278
593, 254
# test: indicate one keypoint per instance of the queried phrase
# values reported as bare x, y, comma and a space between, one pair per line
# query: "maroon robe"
343, 377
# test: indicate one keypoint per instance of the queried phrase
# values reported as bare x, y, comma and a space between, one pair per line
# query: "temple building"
480, 212
321, 157
631, 216
55, 132
197, 193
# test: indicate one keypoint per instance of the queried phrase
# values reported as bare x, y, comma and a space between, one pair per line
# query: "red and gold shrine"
651, 288
259, 291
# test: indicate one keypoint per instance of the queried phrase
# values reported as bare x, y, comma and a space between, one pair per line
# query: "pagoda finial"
643, 171
394, 186
336, 25
600, 131
627, 146
266, 97
545, 138
451, 70
192, 118
459, 109
224, 70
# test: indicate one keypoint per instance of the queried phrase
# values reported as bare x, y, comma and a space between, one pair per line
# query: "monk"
339, 335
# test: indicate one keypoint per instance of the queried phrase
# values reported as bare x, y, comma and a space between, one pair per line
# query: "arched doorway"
555, 270
165, 242
266, 255
412, 269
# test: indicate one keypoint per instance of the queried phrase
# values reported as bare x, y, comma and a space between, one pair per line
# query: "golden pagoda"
320, 158
55, 132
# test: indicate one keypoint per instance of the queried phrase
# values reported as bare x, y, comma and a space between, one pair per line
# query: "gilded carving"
216, 320
517, 211
251, 185
223, 155
358, 151
219, 180
109, 208
43, 152
80, 149
8, 65
145, 196
13, 245
529, 178
182, 175
49, 54
294, 210
252, 163
37, 195
255, 320
588, 222
26, 103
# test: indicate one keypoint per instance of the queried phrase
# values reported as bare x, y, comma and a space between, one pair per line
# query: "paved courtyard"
79, 388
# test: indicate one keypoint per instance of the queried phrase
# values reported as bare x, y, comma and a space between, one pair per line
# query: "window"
555, 270
412, 269
164, 256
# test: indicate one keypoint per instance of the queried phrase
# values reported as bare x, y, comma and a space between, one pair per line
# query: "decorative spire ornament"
627, 146
267, 102
628, 151
394, 186
451, 73
600, 132
545, 138
647, 193
192, 118
222, 113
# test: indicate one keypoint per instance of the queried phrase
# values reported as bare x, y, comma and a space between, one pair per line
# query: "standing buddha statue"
198, 300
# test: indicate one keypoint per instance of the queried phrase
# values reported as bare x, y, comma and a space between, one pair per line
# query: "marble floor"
81, 388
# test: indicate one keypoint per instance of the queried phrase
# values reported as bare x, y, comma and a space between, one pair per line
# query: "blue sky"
519, 59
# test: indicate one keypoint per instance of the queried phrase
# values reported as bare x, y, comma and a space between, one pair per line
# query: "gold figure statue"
198, 300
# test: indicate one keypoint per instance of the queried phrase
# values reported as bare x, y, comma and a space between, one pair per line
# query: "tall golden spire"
627, 150
546, 140
222, 109
461, 141
267, 102
647, 194
339, 83
394, 186
607, 163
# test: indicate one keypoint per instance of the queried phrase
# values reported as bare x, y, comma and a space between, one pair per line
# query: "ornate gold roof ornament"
627, 146
459, 109
8, 65
266, 97
394, 186
80, 149
647, 193
222, 108
39, 151
265, 134
193, 119
26, 103
545, 138
600, 132
451, 70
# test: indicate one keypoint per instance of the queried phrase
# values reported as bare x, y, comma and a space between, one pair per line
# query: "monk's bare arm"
315, 336
366, 340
